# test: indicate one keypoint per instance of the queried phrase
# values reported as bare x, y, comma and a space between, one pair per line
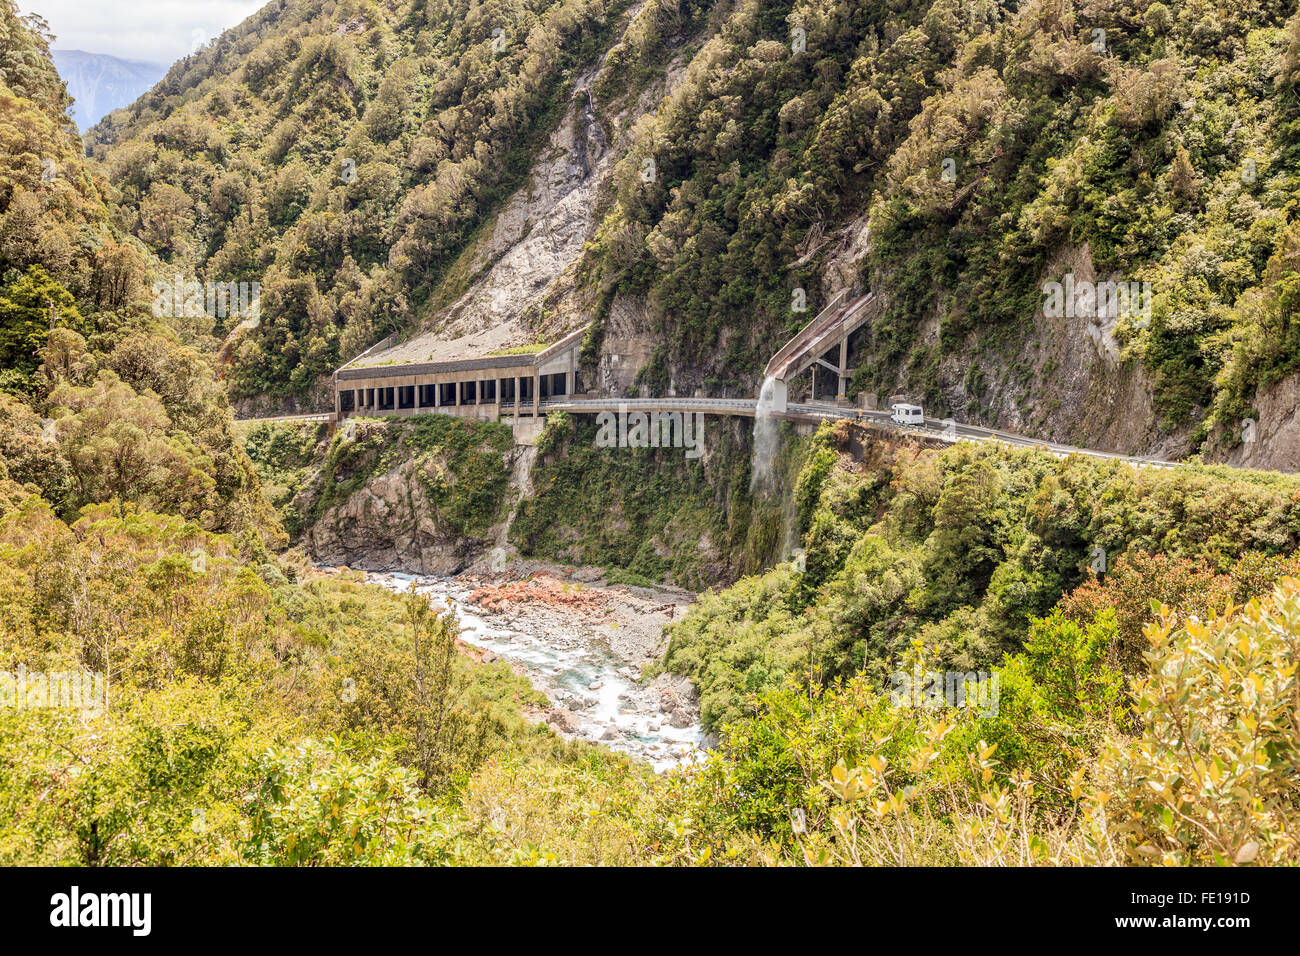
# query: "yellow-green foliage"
1212, 778
959, 548
62, 264
215, 670
1201, 772
559, 805
137, 417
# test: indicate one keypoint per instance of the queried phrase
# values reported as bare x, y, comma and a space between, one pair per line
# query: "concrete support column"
537, 392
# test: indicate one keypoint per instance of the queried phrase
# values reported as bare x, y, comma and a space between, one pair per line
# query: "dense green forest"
1160, 137
1140, 627
962, 551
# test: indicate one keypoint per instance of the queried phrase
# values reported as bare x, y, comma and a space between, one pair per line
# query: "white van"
906, 414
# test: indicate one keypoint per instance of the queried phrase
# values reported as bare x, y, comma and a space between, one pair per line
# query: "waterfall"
520, 487
764, 479
767, 439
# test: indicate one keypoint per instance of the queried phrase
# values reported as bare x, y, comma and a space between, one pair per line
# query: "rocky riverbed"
584, 645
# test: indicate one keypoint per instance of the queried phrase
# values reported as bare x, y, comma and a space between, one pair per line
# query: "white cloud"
155, 31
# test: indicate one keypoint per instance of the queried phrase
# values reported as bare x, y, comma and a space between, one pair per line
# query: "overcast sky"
154, 31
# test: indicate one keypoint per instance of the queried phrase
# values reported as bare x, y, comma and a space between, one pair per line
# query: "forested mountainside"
342, 155
363, 160
1121, 636
137, 549
100, 399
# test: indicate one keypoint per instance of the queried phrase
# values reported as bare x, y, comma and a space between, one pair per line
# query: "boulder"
680, 718
565, 721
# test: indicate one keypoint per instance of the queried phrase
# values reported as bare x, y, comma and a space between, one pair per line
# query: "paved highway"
940, 429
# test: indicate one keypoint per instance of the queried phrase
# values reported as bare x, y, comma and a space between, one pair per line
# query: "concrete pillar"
537, 392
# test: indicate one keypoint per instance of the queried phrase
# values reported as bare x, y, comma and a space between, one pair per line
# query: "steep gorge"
439, 495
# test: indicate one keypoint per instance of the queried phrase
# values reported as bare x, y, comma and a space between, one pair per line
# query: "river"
572, 663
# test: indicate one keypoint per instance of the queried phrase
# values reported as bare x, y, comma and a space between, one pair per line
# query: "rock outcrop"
1271, 441
390, 525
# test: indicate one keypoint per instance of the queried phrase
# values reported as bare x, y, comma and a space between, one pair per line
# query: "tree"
29, 308
119, 445
416, 693
118, 276
20, 228
963, 550
167, 218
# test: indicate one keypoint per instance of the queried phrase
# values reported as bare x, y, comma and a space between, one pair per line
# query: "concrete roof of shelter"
429, 348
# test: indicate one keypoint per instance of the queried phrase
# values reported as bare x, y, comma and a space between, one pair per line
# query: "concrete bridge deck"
830, 329
310, 417
943, 430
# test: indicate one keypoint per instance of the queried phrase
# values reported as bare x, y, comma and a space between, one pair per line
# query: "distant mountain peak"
99, 83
